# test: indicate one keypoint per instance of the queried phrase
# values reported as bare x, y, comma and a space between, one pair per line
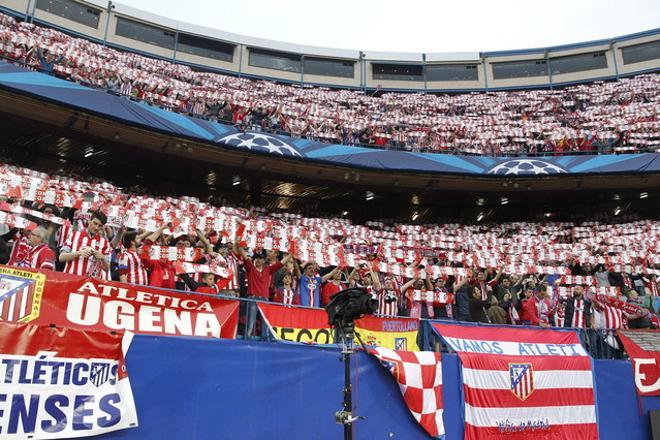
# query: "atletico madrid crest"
16, 298
522, 380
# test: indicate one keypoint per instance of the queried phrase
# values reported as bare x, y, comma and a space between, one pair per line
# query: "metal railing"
600, 344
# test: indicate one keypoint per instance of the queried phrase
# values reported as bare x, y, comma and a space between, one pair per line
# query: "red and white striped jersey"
130, 264
627, 281
63, 232
287, 295
579, 320
67, 229
560, 315
232, 264
388, 308
609, 318
652, 285
79, 240
41, 257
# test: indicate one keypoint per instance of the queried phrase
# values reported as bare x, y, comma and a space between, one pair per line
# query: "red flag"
240, 230
15, 192
293, 247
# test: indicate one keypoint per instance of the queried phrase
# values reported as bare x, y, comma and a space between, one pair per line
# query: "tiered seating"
620, 116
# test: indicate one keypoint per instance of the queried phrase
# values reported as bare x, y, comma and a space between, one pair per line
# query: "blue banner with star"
19, 80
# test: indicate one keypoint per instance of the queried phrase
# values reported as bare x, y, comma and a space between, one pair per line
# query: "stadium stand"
602, 117
526, 273
419, 271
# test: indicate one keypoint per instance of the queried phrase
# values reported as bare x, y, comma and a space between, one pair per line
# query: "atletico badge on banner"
20, 294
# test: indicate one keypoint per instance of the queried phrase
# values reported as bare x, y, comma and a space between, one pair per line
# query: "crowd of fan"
602, 117
511, 273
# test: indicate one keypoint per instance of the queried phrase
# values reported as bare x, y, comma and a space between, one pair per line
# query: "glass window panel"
452, 72
639, 53
274, 60
520, 69
578, 63
398, 72
205, 47
71, 11
145, 33
329, 67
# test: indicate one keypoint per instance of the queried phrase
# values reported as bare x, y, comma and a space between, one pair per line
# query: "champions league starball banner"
523, 383
63, 383
310, 326
47, 297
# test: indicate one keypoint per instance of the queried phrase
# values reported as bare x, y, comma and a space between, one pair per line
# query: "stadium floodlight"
369, 196
236, 180
504, 201
617, 211
643, 195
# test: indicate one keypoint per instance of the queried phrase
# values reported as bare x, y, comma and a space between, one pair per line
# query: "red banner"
523, 383
643, 348
74, 382
47, 297
310, 326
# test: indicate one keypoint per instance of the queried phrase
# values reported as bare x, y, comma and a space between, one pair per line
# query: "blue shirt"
310, 291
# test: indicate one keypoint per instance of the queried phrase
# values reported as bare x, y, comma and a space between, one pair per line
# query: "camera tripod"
345, 334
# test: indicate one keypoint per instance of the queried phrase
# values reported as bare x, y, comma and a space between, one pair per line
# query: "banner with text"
47, 297
310, 326
643, 348
523, 383
62, 382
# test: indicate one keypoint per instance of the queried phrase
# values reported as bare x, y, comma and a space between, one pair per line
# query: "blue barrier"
188, 388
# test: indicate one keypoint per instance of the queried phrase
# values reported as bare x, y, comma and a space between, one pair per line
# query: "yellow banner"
309, 326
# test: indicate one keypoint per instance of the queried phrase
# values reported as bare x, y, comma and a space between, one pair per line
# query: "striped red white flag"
524, 383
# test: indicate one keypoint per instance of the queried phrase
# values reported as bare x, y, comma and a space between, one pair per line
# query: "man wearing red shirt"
161, 272
537, 309
525, 305
259, 274
333, 286
39, 255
